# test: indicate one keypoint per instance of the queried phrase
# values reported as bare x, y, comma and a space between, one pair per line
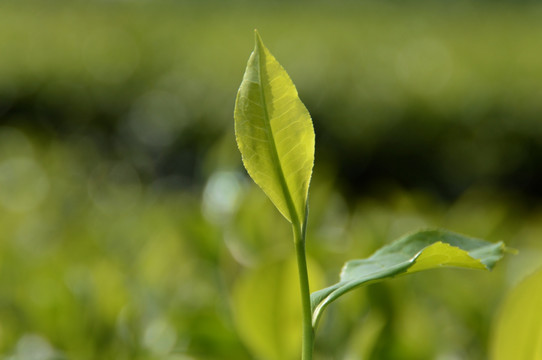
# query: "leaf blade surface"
274, 133
416, 252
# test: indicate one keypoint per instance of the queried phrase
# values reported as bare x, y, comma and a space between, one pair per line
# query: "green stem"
308, 332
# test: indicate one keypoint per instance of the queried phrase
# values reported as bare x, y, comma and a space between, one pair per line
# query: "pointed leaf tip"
262, 51
258, 43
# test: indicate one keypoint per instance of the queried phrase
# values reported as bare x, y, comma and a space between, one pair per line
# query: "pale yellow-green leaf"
517, 333
266, 309
274, 133
442, 254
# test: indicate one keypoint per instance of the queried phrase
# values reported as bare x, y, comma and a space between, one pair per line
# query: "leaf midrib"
269, 131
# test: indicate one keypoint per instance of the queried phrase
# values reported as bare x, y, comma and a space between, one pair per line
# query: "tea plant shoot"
275, 136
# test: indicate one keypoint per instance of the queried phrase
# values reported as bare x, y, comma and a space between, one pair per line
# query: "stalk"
308, 332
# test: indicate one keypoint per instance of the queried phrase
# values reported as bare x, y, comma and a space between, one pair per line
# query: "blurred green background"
129, 229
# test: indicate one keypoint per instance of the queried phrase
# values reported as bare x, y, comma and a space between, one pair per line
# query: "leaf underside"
420, 251
274, 133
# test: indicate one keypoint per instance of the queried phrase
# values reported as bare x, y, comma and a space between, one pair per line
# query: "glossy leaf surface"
274, 133
415, 252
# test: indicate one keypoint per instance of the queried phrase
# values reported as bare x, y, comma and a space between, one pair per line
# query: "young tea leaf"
274, 133
420, 251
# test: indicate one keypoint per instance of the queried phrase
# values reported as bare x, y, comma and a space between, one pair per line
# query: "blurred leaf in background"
518, 331
266, 308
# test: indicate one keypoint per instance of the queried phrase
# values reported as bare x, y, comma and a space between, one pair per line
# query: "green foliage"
106, 274
126, 224
275, 136
518, 331
420, 251
276, 139
274, 133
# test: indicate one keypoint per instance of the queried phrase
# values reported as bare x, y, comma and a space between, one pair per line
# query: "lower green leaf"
420, 251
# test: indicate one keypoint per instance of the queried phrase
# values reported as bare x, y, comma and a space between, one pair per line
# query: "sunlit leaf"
518, 331
415, 252
274, 133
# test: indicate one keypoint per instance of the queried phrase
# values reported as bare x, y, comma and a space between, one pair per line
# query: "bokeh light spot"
160, 337
34, 347
221, 194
